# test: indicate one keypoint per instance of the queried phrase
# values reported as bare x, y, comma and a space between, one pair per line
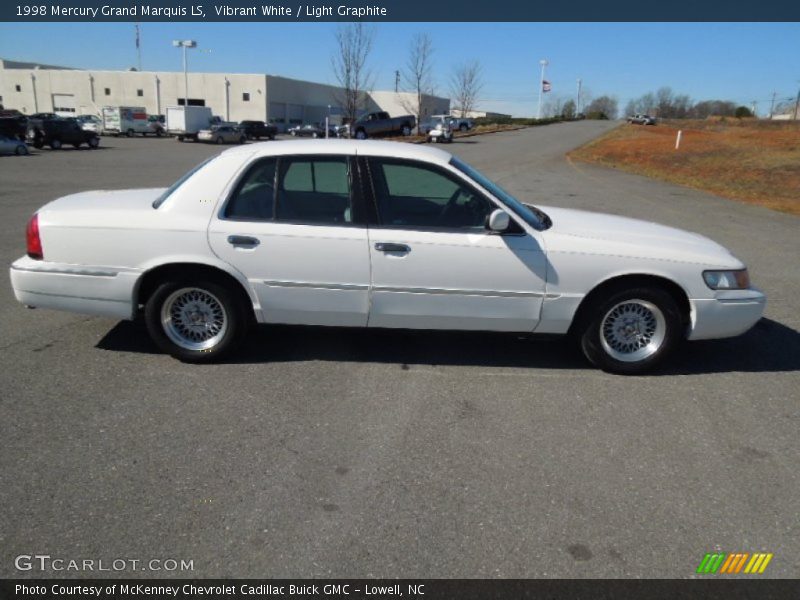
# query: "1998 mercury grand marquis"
375, 234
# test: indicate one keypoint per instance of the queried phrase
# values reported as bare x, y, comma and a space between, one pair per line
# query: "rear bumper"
729, 314
102, 291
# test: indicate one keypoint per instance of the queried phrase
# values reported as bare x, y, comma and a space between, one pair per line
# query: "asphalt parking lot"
324, 452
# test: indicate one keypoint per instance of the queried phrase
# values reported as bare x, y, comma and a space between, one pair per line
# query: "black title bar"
399, 10
385, 589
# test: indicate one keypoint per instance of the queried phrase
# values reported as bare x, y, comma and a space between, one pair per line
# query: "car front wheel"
195, 322
631, 331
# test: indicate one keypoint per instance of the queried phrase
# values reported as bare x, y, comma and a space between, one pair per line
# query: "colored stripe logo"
734, 563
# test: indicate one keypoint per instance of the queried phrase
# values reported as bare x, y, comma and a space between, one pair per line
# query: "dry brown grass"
751, 161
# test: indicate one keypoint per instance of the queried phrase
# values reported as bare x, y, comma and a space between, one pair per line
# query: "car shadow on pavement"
768, 347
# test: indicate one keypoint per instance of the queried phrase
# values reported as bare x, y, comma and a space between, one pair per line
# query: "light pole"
185, 44
328, 122
544, 63
578, 99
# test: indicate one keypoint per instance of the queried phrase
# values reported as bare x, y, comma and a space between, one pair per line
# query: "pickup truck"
380, 123
255, 130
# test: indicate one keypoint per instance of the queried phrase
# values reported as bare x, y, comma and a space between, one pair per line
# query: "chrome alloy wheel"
194, 319
633, 330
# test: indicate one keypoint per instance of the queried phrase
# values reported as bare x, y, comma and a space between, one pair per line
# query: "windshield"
168, 192
530, 214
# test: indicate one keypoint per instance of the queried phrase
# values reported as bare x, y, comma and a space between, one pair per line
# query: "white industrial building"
32, 88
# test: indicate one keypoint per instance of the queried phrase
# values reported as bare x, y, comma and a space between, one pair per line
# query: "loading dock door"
64, 105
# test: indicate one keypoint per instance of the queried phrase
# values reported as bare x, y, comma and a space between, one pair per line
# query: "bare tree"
418, 74
354, 44
466, 85
604, 107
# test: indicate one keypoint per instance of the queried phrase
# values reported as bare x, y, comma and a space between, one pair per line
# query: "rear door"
434, 263
295, 229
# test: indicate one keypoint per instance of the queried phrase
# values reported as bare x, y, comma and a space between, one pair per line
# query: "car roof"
339, 146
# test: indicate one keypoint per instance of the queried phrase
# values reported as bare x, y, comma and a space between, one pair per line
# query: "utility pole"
772, 105
754, 108
544, 63
138, 48
578, 99
396, 81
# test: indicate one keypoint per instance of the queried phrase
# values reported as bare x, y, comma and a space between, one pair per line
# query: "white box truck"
125, 120
185, 121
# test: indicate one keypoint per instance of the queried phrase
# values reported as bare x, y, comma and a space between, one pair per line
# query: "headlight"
727, 280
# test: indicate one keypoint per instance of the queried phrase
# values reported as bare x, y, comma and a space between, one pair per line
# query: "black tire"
94, 142
129, 133
21, 150
235, 318
242, 140
219, 140
158, 133
463, 127
55, 144
597, 332
406, 131
361, 134
272, 137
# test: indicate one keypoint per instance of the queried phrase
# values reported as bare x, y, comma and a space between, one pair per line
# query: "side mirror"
498, 221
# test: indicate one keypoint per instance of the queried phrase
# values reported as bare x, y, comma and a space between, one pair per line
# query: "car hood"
598, 233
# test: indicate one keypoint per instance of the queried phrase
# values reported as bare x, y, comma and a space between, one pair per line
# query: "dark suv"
255, 130
57, 132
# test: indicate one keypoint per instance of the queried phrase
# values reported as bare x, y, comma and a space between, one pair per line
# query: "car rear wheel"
406, 130
361, 134
196, 322
219, 140
21, 150
94, 142
631, 331
55, 144
463, 127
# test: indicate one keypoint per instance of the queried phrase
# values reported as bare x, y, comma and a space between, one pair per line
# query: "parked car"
90, 123
57, 132
44, 115
15, 126
380, 123
12, 145
314, 130
461, 123
224, 134
156, 125
255, 130
638, 119
427, 242
439, 129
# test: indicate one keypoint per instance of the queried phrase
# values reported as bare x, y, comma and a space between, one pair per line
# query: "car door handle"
243, 240
387, 247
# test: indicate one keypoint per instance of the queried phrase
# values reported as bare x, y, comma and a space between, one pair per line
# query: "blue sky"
732, 61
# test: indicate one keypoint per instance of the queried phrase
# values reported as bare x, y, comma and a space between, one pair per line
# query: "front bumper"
83, 289
728, 314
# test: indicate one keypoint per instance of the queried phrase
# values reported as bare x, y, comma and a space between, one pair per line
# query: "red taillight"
33, 239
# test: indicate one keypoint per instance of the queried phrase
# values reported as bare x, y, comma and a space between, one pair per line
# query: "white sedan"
375, 234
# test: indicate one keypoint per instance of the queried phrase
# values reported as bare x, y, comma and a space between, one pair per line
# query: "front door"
290, 227
434, 263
